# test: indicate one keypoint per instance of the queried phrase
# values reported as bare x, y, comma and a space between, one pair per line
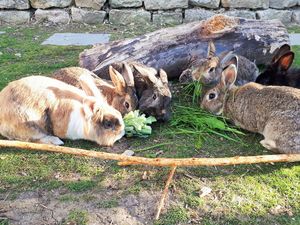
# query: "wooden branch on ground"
165, 192
173, 48
170, 162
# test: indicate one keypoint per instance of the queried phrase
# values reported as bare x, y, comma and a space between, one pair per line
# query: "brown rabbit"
121, 95
272, 111
42, 109
152, 89
209, 69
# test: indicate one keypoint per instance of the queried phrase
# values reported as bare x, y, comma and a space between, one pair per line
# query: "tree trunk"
173, 48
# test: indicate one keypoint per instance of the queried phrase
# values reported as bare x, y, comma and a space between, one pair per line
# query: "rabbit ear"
128, 75
281, 51
89, 105
88, 85
117, 80
285, 61
163, 76
229, 59
228, 76
149, 73
211, 51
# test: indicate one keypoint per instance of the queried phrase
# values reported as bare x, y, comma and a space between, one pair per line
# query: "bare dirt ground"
36, 208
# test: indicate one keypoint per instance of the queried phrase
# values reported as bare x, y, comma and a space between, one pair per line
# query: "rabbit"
120, 94
272, 111
152, 89
208, 70
279, 72
45, 110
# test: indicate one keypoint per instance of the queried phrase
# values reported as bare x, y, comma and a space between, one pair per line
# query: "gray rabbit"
209, 69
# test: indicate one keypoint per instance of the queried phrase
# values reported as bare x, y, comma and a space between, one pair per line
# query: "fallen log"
174, 48
170, 162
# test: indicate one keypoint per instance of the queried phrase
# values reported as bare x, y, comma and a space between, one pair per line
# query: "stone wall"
162, 12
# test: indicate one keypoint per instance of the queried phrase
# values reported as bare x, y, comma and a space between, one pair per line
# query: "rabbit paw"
268, 144
51, 140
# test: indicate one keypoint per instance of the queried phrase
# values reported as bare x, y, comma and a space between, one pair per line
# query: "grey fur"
208, 70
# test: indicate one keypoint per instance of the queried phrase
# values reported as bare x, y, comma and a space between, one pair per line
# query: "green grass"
294, 29
68, 198
111, 203
175, 215
78, 217
81, 186
245, 194
4, 222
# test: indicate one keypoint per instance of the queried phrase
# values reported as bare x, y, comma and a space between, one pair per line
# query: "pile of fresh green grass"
189, 119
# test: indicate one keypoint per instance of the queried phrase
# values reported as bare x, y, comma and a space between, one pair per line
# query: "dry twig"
167, 162
165, 192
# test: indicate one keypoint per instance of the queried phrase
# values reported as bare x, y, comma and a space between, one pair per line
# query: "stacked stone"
170, 12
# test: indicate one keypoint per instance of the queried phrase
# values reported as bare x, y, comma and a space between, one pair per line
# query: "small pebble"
146, 175
159, 153
205, 191
128, 153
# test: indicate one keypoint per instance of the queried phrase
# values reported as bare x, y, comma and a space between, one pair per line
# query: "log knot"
218, 24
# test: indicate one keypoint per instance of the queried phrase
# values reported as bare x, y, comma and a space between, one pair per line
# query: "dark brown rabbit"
278, 73
152, 89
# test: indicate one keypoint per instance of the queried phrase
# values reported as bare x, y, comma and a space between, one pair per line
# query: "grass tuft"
175, 215
81, 186
111, 203
77, 217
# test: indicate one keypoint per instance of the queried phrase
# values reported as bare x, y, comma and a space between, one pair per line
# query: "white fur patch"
51, 140
32, 114
76, 125
268, 144
120, 135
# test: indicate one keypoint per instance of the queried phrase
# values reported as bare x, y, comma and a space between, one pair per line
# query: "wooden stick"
165, 192
156, 161
126, 163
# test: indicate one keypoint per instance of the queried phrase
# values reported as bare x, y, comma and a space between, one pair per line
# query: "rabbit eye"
154, 97
127, 105
211, 96
107, 124
212, 69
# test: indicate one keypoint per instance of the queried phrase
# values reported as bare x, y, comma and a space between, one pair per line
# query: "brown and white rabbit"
42, 109
279, 72
272, 111
209, 69
151, 87
120, 94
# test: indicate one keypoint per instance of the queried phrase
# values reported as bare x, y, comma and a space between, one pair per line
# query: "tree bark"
173, 48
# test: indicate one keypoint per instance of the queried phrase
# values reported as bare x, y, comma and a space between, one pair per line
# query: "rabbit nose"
164, 115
